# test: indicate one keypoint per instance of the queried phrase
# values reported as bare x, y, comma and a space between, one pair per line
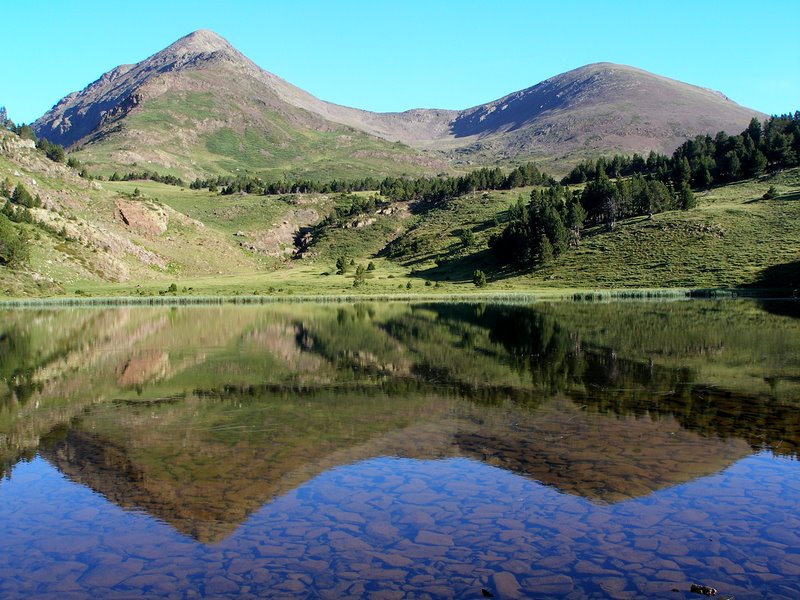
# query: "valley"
177, 164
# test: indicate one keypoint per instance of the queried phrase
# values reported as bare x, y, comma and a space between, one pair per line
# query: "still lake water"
620, 450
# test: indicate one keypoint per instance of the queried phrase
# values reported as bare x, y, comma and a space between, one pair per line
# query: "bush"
467, 238
22, 196
771, 193
479, 278
360, 277
13, 243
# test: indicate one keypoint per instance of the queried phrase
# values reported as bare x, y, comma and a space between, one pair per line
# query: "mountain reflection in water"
212, 419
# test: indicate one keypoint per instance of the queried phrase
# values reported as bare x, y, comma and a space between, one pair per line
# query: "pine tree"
360, 277
13, 243
686, 197
544, 252
22, 196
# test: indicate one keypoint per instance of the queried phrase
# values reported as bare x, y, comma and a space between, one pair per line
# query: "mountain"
200, 106
596, 109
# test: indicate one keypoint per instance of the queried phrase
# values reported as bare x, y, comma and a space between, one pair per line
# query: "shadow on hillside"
781, 198
461, 269
783, 281
784, 277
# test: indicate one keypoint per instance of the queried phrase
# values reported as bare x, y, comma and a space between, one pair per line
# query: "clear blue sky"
392, 56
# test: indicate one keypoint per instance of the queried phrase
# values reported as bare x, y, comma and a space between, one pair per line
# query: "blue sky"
391, 56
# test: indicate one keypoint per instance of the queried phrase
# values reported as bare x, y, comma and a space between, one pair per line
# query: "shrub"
360, 277
13, 243
771, 193
22, 196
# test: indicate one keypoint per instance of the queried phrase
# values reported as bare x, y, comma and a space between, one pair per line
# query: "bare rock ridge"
114, 94
598, 108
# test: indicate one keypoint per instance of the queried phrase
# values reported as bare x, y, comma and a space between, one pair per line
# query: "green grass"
191, 134
733, 239
730, 240
727, 241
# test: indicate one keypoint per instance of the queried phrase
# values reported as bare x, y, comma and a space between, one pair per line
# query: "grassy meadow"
187, 242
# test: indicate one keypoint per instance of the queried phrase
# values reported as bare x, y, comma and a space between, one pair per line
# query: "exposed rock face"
117, 92
142, 217
280, 240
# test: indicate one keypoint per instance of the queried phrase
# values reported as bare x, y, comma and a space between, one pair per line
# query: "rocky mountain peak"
202, 41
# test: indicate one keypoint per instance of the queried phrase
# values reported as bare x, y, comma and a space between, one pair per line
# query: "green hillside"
192, 133
140, 237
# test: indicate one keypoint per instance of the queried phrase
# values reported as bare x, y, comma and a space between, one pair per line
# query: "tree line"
227, 185
706, 160
432, 190
419, 189
552, 220
147, 175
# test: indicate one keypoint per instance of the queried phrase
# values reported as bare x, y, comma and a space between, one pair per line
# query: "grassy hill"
190, 134
133, 238
200, 107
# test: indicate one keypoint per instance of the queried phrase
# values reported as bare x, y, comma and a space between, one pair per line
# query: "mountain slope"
595, 109
200, 106
600, 108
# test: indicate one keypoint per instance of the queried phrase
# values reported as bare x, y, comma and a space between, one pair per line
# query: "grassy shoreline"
517, 297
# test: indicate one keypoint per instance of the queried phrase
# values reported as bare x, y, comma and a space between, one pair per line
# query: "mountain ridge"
597, 108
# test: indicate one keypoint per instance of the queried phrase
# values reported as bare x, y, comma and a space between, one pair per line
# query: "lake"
395, 450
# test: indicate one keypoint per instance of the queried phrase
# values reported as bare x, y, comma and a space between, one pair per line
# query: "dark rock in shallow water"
703, 590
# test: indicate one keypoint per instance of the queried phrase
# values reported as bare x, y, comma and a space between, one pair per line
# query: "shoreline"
521, 297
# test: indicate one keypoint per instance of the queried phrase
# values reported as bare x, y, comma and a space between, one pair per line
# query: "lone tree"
479, 278
467, 237
22, 196
360, 276
341, 265
771, 193
13, 244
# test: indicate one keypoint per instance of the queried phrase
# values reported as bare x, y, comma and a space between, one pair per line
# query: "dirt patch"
278, 241
142, 217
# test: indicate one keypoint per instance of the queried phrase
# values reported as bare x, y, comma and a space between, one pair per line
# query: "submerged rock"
703, 590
